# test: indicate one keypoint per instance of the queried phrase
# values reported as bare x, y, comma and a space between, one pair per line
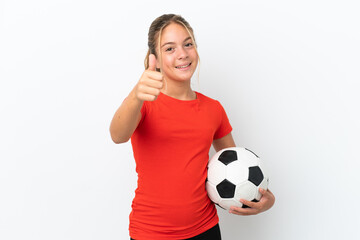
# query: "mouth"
183, 66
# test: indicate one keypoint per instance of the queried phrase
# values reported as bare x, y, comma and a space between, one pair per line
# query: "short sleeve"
224, 127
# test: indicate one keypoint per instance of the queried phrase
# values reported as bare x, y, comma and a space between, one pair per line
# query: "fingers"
152, 89
253, 209
147, 97
150, 83
147, 82
148, 89
153, 75
249, 203
266, 202
263, 191
243, 211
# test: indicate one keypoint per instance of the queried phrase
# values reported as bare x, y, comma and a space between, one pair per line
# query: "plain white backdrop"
286, 72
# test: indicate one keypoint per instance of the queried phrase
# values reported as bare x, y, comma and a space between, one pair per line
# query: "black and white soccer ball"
235, 173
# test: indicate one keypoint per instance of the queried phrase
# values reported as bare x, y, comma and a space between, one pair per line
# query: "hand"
150, 83
266, 202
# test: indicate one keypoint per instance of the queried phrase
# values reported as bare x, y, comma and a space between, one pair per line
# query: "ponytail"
146, 61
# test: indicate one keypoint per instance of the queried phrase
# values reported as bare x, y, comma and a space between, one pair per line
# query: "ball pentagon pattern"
233, 174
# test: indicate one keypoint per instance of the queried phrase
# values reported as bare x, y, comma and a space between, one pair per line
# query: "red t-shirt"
171, 148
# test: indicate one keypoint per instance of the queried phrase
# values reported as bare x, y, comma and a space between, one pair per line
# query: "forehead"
174, 32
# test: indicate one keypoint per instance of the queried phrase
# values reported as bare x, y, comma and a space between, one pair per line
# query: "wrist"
133, 97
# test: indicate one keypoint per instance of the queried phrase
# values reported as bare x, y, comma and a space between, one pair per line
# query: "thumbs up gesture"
150, 83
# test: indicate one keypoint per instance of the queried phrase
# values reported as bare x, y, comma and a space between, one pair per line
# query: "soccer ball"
235, 173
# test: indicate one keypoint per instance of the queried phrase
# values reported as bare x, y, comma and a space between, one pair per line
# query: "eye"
189, 44
169, 49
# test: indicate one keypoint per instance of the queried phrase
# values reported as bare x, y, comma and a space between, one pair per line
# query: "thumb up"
152, 62
150, 83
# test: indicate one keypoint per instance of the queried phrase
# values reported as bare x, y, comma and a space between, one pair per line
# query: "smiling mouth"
183, 66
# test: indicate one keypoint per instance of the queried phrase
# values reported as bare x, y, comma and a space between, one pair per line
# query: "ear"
157, 65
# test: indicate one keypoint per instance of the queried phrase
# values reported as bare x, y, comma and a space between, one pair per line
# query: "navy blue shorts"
211, 234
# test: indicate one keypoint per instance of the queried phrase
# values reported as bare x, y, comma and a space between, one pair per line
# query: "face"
178, 54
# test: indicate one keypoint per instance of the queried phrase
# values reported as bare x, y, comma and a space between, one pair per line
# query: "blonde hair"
156, 29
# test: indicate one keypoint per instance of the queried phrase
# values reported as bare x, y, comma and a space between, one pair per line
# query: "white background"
286, 72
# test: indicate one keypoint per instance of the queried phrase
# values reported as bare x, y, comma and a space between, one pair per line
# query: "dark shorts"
211, 234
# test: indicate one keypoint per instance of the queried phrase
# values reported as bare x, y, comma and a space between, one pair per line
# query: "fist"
150, 83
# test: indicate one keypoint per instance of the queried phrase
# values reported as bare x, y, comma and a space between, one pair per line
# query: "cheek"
195, 55
167, 62
195, 59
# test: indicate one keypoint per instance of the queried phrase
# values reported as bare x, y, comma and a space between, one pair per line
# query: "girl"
172, 129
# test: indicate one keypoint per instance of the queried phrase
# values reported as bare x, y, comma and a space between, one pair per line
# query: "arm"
128, 116
224, 142
126, 119
267, 200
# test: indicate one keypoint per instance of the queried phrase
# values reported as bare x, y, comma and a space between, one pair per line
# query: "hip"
210, 234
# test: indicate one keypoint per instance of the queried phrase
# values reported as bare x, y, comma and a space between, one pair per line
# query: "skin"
176, 50
266, 202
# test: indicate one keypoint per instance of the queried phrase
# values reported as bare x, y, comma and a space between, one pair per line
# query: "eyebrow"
174, 43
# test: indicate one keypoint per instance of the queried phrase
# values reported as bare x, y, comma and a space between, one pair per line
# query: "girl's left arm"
224, 142
267, 200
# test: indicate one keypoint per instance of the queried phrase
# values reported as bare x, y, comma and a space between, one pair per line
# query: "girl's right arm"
128, 115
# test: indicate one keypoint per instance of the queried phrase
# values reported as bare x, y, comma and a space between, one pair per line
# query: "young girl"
172, 129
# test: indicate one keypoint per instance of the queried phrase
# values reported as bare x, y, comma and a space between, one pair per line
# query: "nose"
182, 53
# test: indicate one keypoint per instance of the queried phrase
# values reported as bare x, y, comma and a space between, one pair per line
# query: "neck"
181, 90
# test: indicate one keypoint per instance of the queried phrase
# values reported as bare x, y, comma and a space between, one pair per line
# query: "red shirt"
171, 148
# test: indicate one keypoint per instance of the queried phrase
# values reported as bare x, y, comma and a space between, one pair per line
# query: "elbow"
118, 139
